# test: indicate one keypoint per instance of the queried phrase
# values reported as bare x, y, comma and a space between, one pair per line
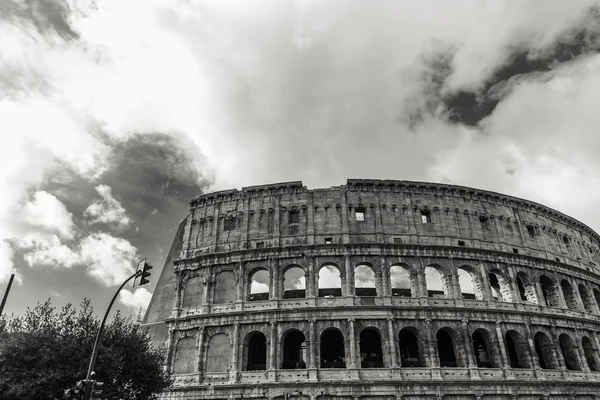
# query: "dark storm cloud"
470, 107
45, 15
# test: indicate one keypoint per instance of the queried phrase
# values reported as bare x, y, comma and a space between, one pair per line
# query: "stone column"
242, 282
486, 288
349, 277
392, 342
434, 361
234, 354
469, 353
385, 282
422, 282
200, 350
312, 349
584, 364
273, 346
505, 361
277, 282
559, 353
310, 279
352, 344
170, 344
206, 283
535, 363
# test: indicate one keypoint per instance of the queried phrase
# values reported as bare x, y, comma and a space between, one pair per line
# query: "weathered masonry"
379, 290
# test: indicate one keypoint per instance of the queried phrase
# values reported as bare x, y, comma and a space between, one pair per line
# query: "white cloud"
47, 250
45, 212
6, 263
258, 287
139, 299
329, 277
109, 260
108, 211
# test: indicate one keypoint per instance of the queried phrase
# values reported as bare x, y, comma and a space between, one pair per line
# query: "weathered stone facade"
528, 327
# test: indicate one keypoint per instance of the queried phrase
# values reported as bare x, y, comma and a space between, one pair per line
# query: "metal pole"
95, 350
12, 277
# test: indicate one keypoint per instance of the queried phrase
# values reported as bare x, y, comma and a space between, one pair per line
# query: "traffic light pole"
95, 350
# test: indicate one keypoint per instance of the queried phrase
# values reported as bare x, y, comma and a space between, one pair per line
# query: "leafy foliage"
46, 351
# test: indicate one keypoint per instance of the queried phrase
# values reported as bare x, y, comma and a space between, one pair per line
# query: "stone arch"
224, 287
569, 294
526, 288
330, 280
448, 348
294, 282
517, 350
484, 349
470, 283
193, 291
365, 280
597, 296
550, 291
437, 281
570, 353
332, 350
185, 360
258, 284
545, 351
218, 354
371, 352
255, 351
587, 301
500, 285
403, 281
294, 349
590, 354
410, 355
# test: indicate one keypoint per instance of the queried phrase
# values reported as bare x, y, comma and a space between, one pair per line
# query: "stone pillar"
469, 353
242, 282
234, 354
385, 282
434, 361
170, 344
579, 346
559, 353
535, 363
505, 361
392, 342
422, 282
312, 345
273, 346
352, 344
277, 282
200, 351
310, 278
206, 283
349, 277
486, 288
455, 287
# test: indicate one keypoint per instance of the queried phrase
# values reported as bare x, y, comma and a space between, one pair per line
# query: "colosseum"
378, 289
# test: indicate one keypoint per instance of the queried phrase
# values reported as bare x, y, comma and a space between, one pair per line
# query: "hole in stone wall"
409, 349
569, 352
364, 281
545, 351
330, 282
359, 214
333, 354
425, 217
294, 283
294, 217
294, 350
229, 224
436, 282
400, 281
550, 291
259, 285
446, 349
371, 355
257, 352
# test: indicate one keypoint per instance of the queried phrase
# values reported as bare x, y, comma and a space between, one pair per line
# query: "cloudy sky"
113, 114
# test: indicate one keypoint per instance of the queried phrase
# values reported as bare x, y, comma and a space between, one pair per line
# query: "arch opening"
364, 281
483, 349
333, 354
259, 285
597, 296
257, 352
526, 288
470, 285
192, 293
569, 351
409, 349
516, 349
185, 356
224, 288
588, 304
294, 283
218, 355
590, 354
545, 351
446, 352
500, 287
330, 282
436, 282
550, 291
294, 351
569, 294
401, 282
371, 354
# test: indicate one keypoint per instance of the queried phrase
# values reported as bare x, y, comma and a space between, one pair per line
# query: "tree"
46, 351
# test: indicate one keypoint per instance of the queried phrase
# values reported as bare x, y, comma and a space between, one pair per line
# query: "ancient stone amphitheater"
378, 290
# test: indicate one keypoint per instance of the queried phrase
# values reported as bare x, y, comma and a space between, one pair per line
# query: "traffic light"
96, 390
145, 273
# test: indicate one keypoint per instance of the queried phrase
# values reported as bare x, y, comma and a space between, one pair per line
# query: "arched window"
401, 282
586, 299
500, 286
224, 289
484, 349
371, 355
364, 281
409, 349
257, 352
590, 353
597, 296
550, 291
259, 285
470, 285
567, 346
333, 354
545, 351
330, 283
185, 356
569, 293
192, 293
517, 350
294, 350
218, 355
294, 283
437, 283
526, 288
446, 351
